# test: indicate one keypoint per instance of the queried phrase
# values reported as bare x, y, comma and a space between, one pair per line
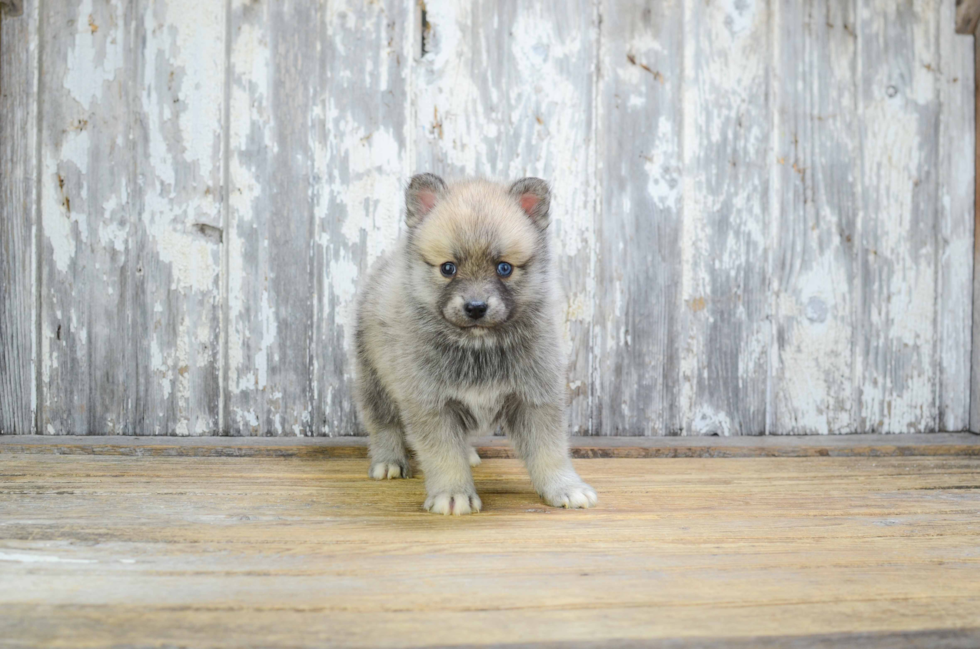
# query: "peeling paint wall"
763, 208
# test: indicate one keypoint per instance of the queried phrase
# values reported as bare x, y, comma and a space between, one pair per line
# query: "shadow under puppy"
457, 332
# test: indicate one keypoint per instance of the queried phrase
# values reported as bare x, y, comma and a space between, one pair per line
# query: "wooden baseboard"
933, 444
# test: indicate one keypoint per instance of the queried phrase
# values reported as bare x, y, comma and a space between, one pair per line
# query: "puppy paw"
474, 458
575, 495
455, 504
389, 470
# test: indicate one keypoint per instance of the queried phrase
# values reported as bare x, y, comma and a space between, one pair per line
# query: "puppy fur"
432, 371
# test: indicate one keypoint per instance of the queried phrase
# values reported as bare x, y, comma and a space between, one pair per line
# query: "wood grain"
762, 211
957, 196
292, 552
271, 248
318, 161
896, 361
932, 444
130, 184
18, 191
975, 362
506, 90
724, 332
363, 128
817, 145
640, 211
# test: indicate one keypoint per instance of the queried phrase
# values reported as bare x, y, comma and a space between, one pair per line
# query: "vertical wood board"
275, 92
896, 362
18, 253
318, 159
639, 211
362, 126
975, 361
815, 176
130, 212
724, 334
957, 178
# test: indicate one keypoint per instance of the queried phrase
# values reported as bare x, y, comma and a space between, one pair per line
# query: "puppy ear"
423, 192
534, 197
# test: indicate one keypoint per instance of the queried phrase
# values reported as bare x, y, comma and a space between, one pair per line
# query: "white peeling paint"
96, 57
728, 141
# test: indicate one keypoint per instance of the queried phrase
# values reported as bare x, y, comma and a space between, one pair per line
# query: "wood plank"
975, 362
275, 92
362, 129
18, 214
933, 444
724, 334
817, 142
967, 16
288, 552
896, 372
506, 90
956, 200
640, 187
318, 156
130, 211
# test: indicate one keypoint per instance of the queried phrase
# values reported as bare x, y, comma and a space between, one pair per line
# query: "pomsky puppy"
457, 332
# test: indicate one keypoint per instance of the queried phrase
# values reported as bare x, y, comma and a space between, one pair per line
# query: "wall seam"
38, 224
771, 316
940, 97
596, 214
223, 428
857, 358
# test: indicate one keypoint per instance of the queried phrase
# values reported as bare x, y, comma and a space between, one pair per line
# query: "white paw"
576, 495
474, 458
389, 470
455, 504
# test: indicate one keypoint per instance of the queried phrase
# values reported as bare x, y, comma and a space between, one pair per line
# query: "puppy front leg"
538, 433
440, 444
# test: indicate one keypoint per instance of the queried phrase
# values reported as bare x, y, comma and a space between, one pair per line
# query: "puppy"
458, 332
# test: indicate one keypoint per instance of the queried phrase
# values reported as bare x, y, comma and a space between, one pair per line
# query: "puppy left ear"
534, 197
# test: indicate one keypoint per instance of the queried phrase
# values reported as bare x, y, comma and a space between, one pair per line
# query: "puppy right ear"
423, 192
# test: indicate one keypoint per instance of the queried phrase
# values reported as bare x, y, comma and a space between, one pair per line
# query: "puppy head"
479, 250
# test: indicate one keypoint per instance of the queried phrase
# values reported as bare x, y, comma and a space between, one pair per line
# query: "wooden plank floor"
115, 550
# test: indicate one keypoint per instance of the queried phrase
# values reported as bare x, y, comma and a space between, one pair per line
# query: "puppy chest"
483, 403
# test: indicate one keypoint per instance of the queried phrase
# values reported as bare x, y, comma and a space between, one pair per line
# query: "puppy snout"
475, 309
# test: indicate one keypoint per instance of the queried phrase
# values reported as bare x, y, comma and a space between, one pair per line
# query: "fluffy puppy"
457, 332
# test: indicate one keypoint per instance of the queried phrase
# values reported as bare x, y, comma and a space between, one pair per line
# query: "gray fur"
429, 378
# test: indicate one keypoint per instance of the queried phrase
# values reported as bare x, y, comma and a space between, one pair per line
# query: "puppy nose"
475, 310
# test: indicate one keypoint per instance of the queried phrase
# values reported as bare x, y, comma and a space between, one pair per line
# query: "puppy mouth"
474, 326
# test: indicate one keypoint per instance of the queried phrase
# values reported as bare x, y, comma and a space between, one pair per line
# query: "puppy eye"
448, 269
504, 269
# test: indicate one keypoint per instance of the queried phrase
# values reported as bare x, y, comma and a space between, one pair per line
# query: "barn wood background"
763, 209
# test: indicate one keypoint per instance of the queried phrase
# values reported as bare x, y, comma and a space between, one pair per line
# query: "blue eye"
448, 269
504, 269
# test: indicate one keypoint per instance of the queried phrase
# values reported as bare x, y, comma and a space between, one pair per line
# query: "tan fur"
476, 210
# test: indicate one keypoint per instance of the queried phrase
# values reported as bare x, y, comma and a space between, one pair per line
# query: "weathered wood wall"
764, 208
18, 232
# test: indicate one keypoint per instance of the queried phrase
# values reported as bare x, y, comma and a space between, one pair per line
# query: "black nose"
475, 310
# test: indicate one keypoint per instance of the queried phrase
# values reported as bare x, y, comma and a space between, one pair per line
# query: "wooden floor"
120, 551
